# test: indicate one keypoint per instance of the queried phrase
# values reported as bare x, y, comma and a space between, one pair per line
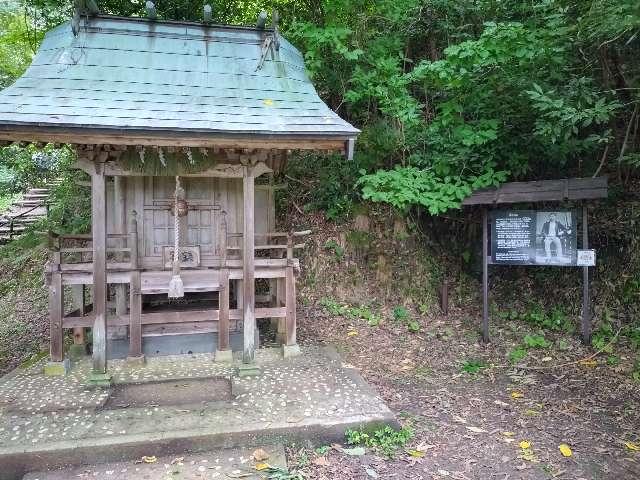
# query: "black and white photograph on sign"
555, 238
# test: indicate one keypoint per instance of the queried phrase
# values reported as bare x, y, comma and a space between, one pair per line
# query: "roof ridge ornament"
152, 13
271, 41
207, 13
262, 20
82, 7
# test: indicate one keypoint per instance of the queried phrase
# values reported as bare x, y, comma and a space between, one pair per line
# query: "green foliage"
400, 314
335, 247
16, 48
355, 313
603, 337
537, 316
517, 354
536, 341
472, 366
385, 441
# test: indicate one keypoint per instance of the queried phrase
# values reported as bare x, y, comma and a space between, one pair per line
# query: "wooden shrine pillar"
290, 295
135, 295
223, 349
56, 303
248, 266
120, 223
99, 236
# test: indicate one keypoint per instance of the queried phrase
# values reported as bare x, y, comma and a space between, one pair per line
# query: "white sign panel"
586, 258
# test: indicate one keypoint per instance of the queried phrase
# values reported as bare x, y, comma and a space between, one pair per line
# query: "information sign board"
532, 237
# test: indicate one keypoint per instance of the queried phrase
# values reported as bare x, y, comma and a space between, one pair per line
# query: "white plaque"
586, 258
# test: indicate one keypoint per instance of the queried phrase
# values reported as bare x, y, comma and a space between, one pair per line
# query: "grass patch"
385, 441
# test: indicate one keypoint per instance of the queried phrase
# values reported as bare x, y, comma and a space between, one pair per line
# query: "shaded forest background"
451, 97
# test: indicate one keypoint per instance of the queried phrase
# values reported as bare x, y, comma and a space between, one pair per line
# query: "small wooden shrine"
180, 126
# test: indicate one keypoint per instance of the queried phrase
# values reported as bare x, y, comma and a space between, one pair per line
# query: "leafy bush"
536, 341
386, 440
536, 315
472, 366
354, 313
517, 354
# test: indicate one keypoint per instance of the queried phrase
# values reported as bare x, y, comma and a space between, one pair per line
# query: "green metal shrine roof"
137, 76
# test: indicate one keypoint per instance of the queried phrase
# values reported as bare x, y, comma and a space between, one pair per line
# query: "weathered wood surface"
586, 298
56, 305
135, 316
542, 190
120, 226
79, 305
179, 316
99, 232
248, 268
485, 275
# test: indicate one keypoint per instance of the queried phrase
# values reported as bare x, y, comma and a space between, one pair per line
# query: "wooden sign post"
533, 237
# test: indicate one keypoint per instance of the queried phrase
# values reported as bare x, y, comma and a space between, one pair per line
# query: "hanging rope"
176, 287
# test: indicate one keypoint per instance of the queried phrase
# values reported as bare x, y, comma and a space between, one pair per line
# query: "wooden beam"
176, 316
221, 170
248, 267
541, 190
99, 233
123, 137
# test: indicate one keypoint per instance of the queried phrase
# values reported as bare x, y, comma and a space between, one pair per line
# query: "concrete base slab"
136, 361
289, 351
248, 370
100, 380
56, 369
57, 421
224, 356
222, 463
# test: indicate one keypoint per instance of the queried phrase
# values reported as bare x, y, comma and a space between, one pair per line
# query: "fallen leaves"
416, 453
589, 363
565, 450
527, 452
476, 430
352, 333
634, 447
259, 455
262, 466
321, 461
147, 459
516, 394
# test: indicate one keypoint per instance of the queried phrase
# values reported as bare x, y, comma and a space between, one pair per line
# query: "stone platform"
51, 422
218, 464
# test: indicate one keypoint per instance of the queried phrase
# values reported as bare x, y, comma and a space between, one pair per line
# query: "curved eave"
47, 133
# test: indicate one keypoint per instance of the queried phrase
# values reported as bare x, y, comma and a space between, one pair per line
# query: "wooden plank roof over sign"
146, 79
541, 191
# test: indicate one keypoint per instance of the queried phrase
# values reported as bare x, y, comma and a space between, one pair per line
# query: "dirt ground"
471, 425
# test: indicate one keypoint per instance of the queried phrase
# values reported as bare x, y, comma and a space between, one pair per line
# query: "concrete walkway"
217, 464
50, 422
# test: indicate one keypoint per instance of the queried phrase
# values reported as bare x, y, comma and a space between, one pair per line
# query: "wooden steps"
24, 212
